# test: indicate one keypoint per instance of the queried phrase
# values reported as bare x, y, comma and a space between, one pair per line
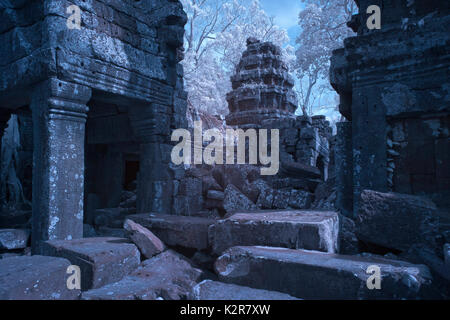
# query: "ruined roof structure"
262, 86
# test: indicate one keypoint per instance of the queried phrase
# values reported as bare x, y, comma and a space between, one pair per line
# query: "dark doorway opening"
131, 173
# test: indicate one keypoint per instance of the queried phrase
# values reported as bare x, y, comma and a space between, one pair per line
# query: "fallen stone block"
214, 290
235, 200
318, 275
11, 239
168, 276
144, 239
188, 232
299, 170
101, 260
35, 278
296, 229
395, 220
215, 195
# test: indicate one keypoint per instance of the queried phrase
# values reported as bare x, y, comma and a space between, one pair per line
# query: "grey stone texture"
115, 81
101, 260
395, 220
188, 232
147, 243
11, 239
394, 92
318, 275
167, 276
214, 290
301, 229
35, 278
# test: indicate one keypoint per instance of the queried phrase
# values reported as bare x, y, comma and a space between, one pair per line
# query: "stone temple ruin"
96, 108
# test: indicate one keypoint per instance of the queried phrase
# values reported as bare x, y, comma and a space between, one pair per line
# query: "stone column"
151, 127
59, 115
5, 115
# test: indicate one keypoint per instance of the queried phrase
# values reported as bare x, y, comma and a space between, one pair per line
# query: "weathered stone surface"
89, 231
395, 220
14, 238
35, 278
106, 216
262, 86
297, 229
101, 260
318, 275
235, 200
214, 290
144, 239
447, 256
215, 195
348, 242
189, 232
167, 275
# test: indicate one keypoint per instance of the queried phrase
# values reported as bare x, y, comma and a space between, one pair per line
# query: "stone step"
35, 278
215, 290
101, 260
167, 276
295, 229
184, 231
318, 275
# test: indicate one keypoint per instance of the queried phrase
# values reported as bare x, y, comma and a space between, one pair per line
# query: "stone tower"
262, 87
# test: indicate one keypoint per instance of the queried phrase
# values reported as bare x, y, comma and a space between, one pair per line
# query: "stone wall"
394, 92
116, 80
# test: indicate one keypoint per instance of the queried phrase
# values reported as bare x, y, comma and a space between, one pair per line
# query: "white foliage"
215, 38
323, 29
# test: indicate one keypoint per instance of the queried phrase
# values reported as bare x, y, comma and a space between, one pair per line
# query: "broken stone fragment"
35, 278
395, 220
168, 275
11, 239
214, 290
235, 200
144, 239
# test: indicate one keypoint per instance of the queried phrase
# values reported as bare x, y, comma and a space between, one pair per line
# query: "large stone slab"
214, 290
395, 220
296, 229
101, 260
189, 232
35, 278
11, 239
318, 275
168, 276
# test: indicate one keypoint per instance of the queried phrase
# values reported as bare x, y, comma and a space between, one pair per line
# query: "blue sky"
285, 13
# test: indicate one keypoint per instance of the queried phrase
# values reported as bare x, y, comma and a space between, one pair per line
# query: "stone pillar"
59, 115
5, 115
151, 126
344, 168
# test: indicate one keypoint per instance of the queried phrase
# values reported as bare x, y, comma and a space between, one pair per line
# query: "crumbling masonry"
115, 83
